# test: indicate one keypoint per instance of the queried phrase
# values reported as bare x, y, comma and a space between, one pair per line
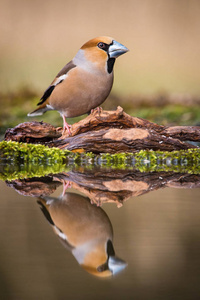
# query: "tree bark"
108, 132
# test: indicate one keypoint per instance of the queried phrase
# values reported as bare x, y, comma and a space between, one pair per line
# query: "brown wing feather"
66, 68
50, 89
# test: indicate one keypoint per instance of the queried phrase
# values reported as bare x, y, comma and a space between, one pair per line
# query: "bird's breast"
81, 91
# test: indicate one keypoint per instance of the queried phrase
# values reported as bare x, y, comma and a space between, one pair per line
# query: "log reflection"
83, 227
103, 186
117, 186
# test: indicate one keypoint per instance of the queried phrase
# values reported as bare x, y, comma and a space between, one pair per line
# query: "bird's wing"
59, 78
62, 237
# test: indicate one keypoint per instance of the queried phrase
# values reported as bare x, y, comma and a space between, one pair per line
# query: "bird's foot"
97, 110
66, 185
66, 127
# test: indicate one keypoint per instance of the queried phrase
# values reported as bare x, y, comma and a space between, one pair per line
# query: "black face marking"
110, 249
110, 252
110, 64
110, 61
103, 46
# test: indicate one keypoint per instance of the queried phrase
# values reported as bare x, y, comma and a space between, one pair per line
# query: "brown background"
38, 37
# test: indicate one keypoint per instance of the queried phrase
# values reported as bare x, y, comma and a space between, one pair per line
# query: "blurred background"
38, 37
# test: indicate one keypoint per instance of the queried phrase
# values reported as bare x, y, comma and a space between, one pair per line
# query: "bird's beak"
116, 264
116, 49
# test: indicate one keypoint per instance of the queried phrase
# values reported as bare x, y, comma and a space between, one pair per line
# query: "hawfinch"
85, 230
85, 82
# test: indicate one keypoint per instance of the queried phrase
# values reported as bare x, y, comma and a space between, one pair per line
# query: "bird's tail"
38, 111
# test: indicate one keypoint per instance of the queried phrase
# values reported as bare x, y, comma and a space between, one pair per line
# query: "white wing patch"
59, 79
60, 233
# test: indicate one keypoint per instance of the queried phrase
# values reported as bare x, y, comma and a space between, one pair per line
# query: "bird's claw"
66, 185
96, 110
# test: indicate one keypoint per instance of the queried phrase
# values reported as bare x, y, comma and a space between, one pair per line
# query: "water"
156, 236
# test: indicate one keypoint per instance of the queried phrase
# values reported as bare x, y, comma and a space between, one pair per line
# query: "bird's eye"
101, 45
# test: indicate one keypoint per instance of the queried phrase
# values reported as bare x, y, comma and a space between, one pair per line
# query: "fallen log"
108, 132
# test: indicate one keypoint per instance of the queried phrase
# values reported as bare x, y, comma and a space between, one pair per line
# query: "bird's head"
101, 260
102, 51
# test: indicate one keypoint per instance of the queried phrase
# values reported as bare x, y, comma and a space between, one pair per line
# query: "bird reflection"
85, 230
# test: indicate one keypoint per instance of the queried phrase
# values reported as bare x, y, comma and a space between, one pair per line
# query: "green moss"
20, 160
149, 161
34, 153
14, 171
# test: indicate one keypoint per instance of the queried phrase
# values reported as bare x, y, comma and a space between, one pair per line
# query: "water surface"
156, 234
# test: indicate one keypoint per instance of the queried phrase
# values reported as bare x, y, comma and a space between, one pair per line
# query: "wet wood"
35, 186
117, 187
108, 132
32, 132
101, 186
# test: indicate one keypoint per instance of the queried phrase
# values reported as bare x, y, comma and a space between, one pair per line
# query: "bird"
84, 83
85, 230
